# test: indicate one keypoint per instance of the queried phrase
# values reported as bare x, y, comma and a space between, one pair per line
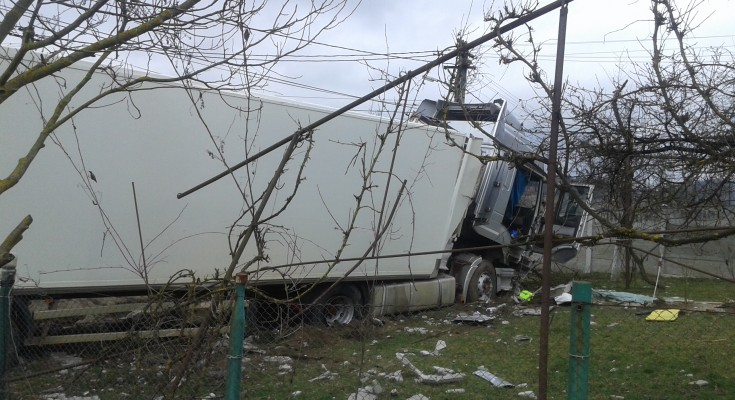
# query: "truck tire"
482, 283
340, 306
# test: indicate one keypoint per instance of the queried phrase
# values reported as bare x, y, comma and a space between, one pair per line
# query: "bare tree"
658, 144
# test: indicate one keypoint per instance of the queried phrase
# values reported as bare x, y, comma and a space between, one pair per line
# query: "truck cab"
507, 211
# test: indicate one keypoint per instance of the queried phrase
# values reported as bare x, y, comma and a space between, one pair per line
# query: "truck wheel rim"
485, 286
339, 311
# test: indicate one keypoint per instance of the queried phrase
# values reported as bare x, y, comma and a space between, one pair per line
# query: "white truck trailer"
139, 149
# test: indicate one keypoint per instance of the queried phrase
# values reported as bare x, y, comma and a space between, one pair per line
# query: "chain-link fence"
178, 346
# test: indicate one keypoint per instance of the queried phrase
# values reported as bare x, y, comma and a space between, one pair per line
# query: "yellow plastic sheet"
663, 315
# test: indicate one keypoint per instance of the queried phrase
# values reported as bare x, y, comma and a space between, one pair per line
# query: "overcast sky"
601, 36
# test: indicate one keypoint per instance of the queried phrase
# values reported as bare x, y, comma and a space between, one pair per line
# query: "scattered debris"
295, 394
527, 394
699, 383
612, 325
440, 345
616, 397
249, 347
418, 397
475, 318
451, 377
278, 359
624, 297
522, 338
535, 311
564, 298
369, 392
422, 331
395, 376
558, 290
66, 360
494, 380
493, 310
663, 315
455, 391
327, 374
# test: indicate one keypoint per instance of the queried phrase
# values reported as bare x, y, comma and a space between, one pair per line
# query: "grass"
630, 357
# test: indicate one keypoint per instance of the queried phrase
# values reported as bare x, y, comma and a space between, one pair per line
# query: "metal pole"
237, 335
550, 210
579, 342
7, 279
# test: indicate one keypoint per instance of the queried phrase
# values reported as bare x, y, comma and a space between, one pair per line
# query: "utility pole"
459, 74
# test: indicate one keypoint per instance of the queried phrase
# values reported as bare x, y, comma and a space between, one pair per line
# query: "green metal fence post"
237, 336
7, 279
579, 341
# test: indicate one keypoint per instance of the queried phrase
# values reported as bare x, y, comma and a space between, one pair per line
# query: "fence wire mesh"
137, 348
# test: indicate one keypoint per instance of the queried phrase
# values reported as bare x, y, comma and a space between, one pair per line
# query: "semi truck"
398, 213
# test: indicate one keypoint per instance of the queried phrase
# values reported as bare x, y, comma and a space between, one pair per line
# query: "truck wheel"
482, 284
340, 306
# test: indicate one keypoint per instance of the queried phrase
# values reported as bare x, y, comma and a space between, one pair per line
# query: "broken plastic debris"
522, 338
663, 315
527, 394
369, 392
422, 331
564, 298
325, 375
277, 359
623, 297
494, 380
527, 311
430, 379
440, 345
475, 318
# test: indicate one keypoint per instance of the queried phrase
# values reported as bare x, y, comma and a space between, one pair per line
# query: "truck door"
569, 222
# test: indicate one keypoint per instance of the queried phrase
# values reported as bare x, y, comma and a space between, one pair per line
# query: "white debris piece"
699, 382
362, 395
369, 392
564, 298
422, 331
278, 359
418, 397
326, 374
65, 359
494, 380
442, 370
440, 345
285, 369
395, 376
615, 397
455, 391
295, 394
527, 394
430, 379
